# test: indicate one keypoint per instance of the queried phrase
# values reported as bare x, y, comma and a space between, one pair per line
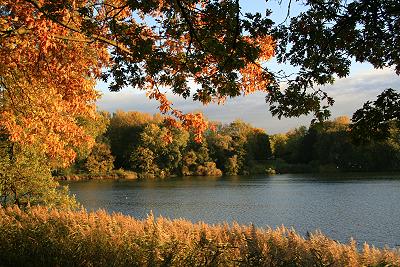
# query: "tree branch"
94, 37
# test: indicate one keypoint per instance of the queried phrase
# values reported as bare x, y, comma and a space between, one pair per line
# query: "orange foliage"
49, 68
46, 82
254, 77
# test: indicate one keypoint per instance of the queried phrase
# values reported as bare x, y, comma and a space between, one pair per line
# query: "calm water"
365, 207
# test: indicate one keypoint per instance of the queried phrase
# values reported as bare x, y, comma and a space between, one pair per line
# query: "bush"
25, 179
100, 160
208, 169
43, 237
232, 166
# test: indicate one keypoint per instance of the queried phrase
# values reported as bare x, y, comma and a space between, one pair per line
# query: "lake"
363, 206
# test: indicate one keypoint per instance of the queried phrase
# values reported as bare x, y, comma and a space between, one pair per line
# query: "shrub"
208, 169
100, 160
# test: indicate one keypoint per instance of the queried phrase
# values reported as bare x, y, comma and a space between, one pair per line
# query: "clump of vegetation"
25, 179
43, 237
329, 147
137, 143
99, 160
134, 141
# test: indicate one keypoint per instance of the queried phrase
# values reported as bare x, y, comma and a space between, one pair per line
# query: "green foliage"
329, 147
288, 147
124, 132
375, 120
94, 127
278, 143
236, 149
154, 155
143, 161
189, 163
25, 179
232, 148
258, 145
43, 237
322, 40
208, 169
236, 146
100, 160
231, 166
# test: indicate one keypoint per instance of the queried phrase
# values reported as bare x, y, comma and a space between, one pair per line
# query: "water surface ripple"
362, 206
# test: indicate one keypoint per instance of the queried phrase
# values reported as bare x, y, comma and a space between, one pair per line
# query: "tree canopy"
378, 119
323, 40
53, 51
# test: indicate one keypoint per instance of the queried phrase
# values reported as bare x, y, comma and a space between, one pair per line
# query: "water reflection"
362, 206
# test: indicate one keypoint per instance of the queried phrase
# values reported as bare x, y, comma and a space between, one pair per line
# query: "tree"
328, 146
56, 49
46, 82
25, 179
232, 166
100, 160
53, 51
143, 161
188, 163
159, 157
258, 145
291, 151
278, 143
375, 120
322, 41
124, 134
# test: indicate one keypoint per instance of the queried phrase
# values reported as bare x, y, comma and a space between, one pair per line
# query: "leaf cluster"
323, 40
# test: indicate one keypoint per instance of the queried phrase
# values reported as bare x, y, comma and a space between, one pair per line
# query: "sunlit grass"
43, 237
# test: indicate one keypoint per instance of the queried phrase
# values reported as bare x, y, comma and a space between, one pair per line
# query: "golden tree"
52, 52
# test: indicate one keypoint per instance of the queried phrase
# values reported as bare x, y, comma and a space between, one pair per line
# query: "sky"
363, 84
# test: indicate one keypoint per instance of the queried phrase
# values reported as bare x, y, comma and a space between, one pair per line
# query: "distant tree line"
136, 142
331, 146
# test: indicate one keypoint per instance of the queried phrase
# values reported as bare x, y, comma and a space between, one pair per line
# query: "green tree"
293, 144
208, 169
375, 120
124, 134
232, 166
323, 40
220, 147
278, 144
258, 145
100, 160
237, 146
143, 161
165, 156
25, 179
189, 163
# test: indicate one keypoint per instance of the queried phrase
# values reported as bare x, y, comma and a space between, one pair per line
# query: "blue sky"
364, 83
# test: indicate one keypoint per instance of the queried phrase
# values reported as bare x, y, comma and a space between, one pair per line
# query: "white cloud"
349, 94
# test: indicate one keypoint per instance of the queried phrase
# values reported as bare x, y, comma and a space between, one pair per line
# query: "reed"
50, 237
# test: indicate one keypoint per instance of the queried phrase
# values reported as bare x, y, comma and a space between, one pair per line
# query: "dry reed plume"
43, 237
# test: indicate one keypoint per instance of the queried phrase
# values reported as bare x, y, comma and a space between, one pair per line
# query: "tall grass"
43, 237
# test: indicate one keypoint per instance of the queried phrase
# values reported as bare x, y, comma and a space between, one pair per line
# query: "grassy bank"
42, 237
